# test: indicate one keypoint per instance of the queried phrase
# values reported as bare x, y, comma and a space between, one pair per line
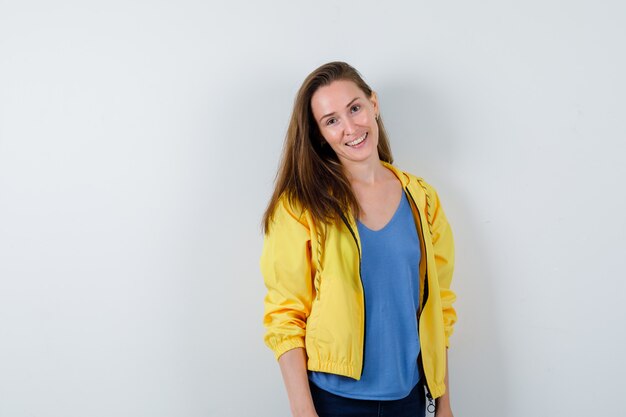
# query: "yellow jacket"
315, 295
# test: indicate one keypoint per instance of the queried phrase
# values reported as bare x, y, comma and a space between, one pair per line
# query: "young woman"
357, 261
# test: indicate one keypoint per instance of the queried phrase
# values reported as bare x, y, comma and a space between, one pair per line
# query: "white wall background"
139, 141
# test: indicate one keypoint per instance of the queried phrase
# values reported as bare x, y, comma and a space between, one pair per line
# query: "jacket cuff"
286, 345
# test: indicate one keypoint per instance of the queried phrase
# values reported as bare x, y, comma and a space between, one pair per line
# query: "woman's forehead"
335, 96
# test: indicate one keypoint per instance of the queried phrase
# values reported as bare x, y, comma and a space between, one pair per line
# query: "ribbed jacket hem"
334, 368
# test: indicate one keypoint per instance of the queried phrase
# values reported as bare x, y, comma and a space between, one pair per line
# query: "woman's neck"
366, 172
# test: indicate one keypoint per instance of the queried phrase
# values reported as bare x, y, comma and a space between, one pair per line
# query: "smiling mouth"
357, 140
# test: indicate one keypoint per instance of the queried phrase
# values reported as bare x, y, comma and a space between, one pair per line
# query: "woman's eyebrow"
352, 101
347, 105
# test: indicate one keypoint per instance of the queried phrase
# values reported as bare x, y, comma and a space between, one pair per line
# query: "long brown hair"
310, 173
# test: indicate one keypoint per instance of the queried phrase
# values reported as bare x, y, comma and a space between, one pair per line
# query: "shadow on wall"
416, 119
426, 142
480, 376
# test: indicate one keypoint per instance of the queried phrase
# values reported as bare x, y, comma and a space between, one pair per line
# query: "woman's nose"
349, 127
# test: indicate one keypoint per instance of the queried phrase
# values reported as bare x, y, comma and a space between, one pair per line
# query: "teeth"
357, 140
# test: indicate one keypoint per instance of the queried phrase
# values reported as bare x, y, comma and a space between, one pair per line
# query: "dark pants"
331, 405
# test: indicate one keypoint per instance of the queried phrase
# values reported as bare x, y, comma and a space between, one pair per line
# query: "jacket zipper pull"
431, 405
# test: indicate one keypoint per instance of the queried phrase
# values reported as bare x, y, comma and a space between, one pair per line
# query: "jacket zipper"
358, 247
419, 219
431, 405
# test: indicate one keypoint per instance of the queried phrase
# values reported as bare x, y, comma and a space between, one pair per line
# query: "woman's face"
346, 118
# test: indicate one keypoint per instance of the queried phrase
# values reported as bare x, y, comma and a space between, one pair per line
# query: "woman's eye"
355, 108
331, 121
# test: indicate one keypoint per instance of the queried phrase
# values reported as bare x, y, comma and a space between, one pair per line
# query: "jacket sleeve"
443, 244
287, 272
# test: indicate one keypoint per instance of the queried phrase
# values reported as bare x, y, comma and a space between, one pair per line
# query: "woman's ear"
374, 100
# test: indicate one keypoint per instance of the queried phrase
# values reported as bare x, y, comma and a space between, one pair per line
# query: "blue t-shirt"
390, 274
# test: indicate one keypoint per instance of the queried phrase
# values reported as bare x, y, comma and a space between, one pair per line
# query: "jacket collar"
402, 176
